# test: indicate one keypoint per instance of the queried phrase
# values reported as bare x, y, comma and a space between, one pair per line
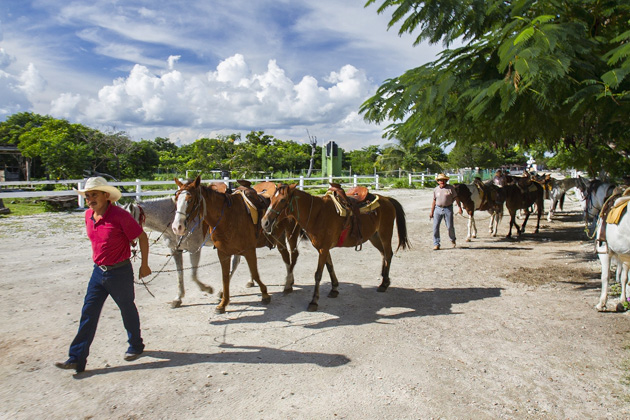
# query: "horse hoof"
620, 307
288, 290
468, 239
266, 300
219, 310
382, 289
312, 307
333, 293
176, 304
249, 284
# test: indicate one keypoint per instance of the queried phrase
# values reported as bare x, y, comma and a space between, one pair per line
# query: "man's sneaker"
69, 364
454, 244
435, 248
130, 355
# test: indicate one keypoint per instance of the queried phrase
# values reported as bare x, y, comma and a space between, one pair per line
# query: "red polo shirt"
111, 235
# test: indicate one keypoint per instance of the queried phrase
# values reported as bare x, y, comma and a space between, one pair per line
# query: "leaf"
614, 77
524, 35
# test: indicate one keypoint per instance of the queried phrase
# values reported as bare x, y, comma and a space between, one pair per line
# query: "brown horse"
522, 195
232, 231
326, 229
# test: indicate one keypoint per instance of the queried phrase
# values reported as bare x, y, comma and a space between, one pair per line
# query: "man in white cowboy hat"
111, 230
442, 208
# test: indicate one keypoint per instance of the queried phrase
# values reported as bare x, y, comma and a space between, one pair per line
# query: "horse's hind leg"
625, 281
324, 258
334, 292
604, 258
386, 253
181, 292
252, 262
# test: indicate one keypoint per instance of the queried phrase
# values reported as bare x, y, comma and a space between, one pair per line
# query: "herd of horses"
237, 222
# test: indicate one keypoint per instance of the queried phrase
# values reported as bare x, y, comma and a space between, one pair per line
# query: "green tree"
10, 131
363, 161
140, 161
552, 73
58, 144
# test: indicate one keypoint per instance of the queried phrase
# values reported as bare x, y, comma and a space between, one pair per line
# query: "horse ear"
197, 181
292, 187
178, 182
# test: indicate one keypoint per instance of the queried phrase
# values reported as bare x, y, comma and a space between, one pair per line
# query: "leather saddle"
351, 204
256, 198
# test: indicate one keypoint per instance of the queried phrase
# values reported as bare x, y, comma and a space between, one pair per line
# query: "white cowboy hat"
98, 183
442, 176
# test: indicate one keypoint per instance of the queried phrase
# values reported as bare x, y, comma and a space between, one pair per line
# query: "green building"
331, 159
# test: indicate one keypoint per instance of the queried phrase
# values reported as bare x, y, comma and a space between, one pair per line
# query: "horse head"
280, 202
187, 200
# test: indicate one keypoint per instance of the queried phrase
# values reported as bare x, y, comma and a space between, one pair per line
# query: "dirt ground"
493, 329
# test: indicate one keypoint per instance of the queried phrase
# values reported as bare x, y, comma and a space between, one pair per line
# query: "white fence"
423, 178
138, 192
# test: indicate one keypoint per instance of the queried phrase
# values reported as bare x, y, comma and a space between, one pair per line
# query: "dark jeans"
445, 213
117, 283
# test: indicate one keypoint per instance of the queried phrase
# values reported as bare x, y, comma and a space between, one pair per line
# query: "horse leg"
541, 211
334, 292
195, 257
625, 281
522, 230
181, 292
224, 259
604, 258
471, 221
324, 258
513, 223
286, 257
293, 238
252, 262
236, 259
386, 253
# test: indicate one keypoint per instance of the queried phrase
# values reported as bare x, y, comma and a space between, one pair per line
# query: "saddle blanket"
253, 211
617, 211
343, 212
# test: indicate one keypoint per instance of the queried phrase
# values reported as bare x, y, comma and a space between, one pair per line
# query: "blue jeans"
117, 283
445, 213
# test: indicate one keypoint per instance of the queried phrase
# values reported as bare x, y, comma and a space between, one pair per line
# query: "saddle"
358, 200
256, 202
492, 195
612, 210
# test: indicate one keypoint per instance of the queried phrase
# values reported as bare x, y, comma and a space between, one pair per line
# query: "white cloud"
230, 98
31, 82
12, 98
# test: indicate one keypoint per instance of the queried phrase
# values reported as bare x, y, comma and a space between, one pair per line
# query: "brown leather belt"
117, 265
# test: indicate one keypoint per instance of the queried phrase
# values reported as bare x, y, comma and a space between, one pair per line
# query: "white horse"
595, 193
157, 215
559, 188
615, 246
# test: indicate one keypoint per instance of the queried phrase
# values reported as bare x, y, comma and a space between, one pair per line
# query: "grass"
24, 207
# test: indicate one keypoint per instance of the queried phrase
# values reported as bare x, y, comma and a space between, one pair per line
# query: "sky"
190, 69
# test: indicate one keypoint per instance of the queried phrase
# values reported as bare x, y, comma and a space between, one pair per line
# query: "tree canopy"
533, 74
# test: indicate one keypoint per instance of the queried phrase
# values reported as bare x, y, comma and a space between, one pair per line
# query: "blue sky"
198, 68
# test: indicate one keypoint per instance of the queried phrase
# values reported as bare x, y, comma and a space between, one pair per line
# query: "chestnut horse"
521, 196
232, 231
326, 229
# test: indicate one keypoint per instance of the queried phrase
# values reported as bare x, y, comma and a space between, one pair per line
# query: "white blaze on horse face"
179, 221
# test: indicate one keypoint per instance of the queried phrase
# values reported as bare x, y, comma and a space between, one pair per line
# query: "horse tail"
401, 225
